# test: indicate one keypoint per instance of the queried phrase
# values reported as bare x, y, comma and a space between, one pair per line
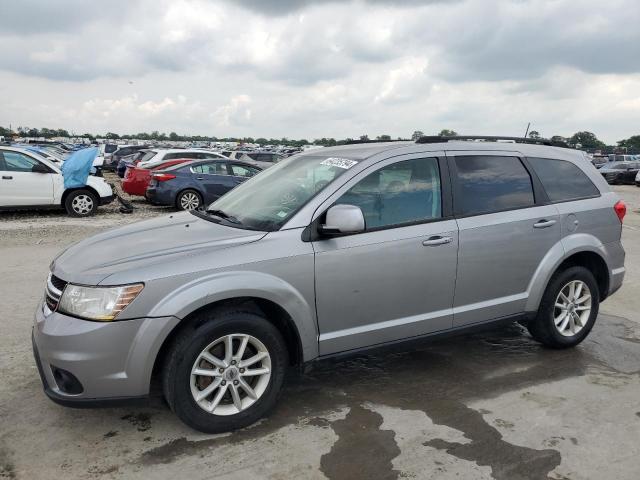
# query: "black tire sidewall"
547, 311
69, 200
182, 193
182, 401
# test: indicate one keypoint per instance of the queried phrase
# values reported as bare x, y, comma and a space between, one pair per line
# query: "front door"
19, 186
396, 279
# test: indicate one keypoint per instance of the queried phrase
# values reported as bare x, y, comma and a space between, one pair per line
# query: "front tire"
81, 203
568, 309
226, 371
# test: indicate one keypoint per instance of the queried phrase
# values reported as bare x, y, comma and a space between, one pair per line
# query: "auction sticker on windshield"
338, 162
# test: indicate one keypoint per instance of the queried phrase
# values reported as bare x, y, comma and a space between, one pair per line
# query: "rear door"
506, 227
19, 185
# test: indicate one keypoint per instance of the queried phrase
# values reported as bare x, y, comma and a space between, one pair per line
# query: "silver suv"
330, 251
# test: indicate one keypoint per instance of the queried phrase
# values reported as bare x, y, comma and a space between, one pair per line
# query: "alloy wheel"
572, 308
189, 201
230, 374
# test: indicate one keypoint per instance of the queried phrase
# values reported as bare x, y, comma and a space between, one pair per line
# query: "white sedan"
28, 180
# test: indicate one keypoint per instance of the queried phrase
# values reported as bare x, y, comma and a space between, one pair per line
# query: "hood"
139, 245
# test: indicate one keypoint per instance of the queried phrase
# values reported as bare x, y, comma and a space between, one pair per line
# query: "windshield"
268, 200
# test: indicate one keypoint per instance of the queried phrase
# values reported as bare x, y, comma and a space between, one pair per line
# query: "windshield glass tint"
268, 200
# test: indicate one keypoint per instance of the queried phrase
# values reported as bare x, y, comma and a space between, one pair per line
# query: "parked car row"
620, 172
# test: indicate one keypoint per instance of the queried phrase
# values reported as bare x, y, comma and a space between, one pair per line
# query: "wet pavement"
489, 405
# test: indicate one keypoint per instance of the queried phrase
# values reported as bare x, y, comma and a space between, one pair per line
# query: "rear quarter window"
563, 181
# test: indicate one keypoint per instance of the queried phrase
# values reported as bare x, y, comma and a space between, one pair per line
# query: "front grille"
53, 292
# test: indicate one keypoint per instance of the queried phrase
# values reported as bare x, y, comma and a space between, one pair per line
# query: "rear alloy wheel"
568, 309
189, 200
81, 203
226, 371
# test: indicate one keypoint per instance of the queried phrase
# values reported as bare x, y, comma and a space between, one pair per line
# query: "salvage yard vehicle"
136, 179
260, 159
330, 252
160, 155
32, 181
620, 172
191, 186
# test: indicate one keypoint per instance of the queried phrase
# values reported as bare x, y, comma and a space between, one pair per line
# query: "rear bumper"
158, 197
111, 361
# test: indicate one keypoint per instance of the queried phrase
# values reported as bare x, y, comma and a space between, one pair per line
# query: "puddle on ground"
439, 378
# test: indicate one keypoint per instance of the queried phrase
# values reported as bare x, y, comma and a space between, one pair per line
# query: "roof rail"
355, 142
491, 138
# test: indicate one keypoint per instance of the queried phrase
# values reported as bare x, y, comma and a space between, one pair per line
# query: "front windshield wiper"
224, 215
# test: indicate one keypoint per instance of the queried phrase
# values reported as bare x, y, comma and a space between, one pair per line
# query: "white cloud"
236, 112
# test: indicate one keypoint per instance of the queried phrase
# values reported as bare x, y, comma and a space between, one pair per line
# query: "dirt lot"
478, 406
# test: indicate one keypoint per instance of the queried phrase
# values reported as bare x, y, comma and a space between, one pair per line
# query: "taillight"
620, 209
163, 177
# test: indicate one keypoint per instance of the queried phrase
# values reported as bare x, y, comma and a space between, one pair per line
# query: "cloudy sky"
316, 68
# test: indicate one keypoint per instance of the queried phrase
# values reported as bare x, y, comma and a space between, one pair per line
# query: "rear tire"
81, 203
205, 342
566, 316
189, 200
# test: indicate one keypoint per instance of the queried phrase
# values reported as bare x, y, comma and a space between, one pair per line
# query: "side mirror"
343, 219
39, 168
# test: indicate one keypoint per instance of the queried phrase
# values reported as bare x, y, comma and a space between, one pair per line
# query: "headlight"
97, 303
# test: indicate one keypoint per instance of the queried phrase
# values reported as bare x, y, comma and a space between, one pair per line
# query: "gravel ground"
491, 405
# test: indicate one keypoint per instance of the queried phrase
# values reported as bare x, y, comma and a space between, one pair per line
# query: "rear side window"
562, 180
488, 184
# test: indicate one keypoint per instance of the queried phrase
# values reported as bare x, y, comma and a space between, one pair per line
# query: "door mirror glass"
343, 219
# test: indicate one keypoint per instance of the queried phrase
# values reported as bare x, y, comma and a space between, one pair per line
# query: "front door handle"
199, 178
7, 177
435, 241
544, 224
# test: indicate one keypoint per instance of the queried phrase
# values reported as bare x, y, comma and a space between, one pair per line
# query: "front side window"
18, 162
402, 193
489, 184
562, 180
243, 170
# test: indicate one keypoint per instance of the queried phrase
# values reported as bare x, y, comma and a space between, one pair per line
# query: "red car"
136, 179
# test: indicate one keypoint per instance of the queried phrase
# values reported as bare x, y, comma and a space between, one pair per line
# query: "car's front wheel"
81, 203
568, 309
226, 373
189, 200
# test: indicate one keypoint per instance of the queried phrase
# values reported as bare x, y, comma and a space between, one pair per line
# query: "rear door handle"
7, 177
544, 224
435, 241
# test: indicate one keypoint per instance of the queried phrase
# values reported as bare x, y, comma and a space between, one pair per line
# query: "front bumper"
106, 200
113, 361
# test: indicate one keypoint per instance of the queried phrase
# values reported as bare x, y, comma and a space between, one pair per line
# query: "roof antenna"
527, 132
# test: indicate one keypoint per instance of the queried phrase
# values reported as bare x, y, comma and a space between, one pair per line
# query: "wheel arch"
269, 309
581, 250
68, 192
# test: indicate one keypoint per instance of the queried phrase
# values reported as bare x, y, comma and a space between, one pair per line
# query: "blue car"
193, 185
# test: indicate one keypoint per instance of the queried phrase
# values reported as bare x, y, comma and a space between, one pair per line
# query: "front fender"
234, 284
569, 245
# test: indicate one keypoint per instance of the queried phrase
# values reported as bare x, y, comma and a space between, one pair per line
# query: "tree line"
584, 140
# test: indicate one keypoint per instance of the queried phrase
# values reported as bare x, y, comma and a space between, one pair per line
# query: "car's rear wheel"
568, 309
189, 200
81, 203
226, 373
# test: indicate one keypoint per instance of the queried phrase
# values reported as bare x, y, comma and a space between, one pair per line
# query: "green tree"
632, 144
586, 140
445, 132
534, 134
384, 138
417, 134
363, 138
111, 136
